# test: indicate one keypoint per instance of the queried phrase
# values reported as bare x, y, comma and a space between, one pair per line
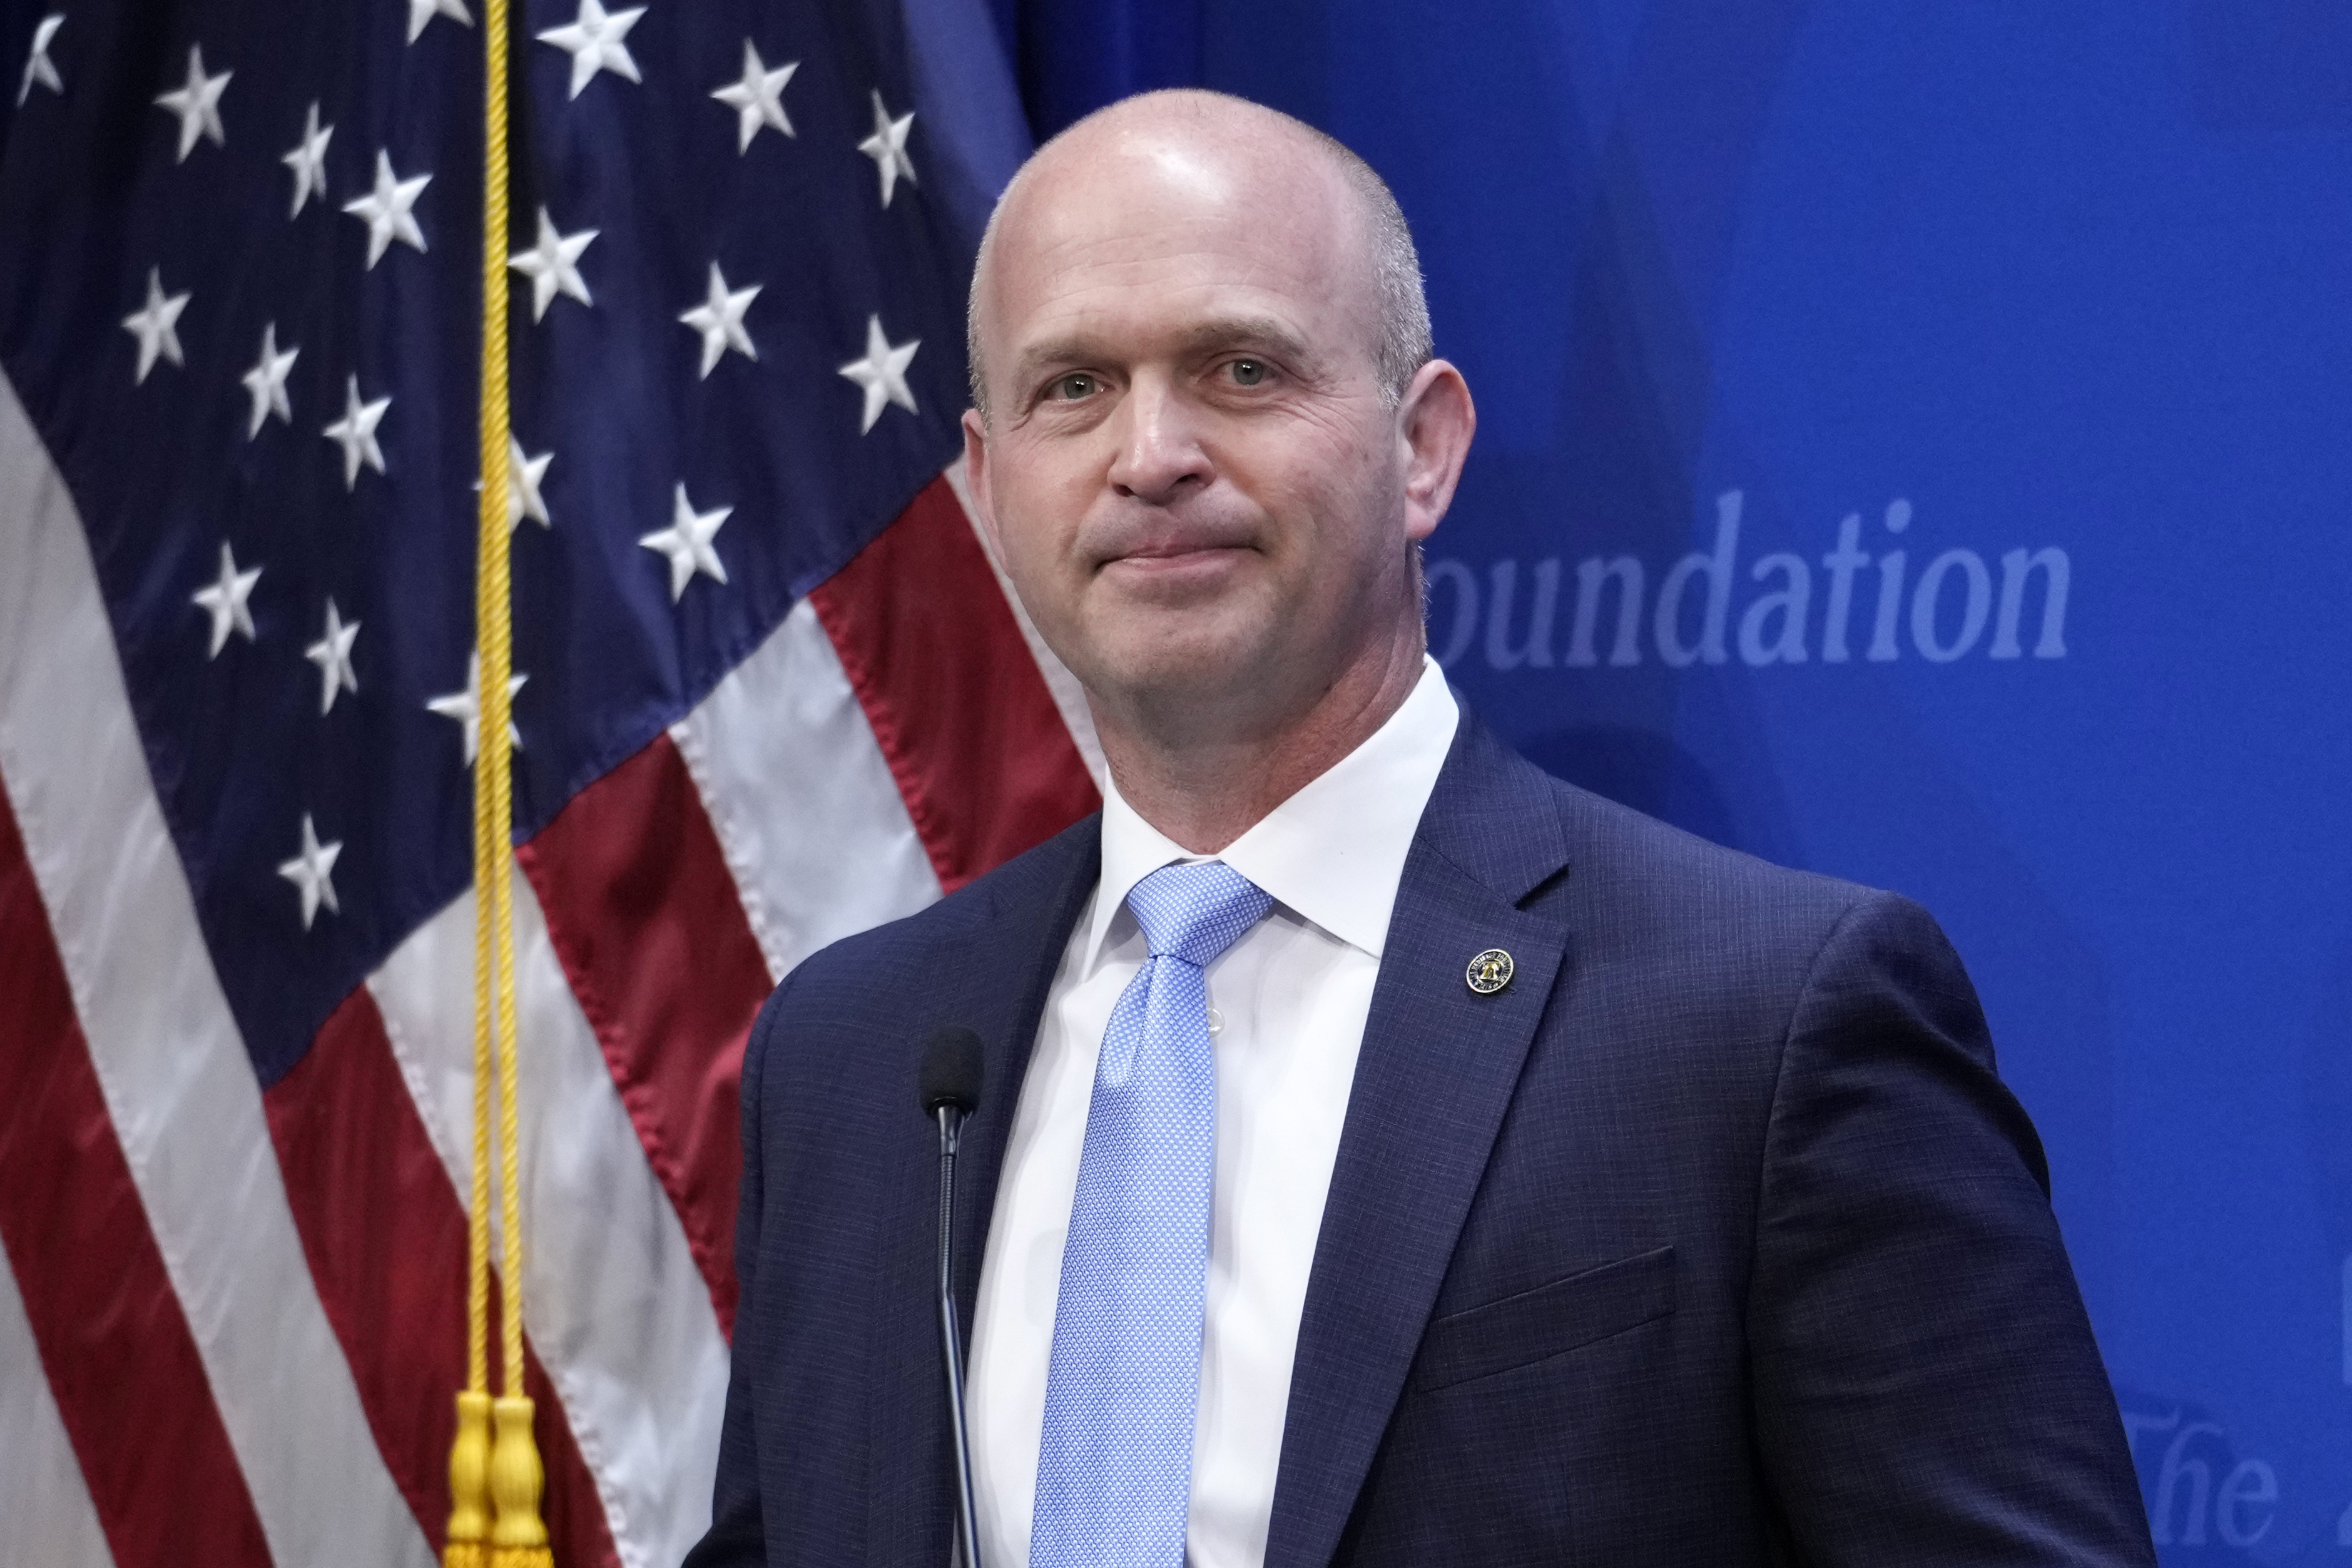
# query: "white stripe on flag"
619, 1313
802, 804
173, 1068
49, 1520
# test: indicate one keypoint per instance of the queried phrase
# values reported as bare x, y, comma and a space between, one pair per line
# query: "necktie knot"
1196, 911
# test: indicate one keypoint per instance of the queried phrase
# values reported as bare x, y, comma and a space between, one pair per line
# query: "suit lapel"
993, 981
1435, 1073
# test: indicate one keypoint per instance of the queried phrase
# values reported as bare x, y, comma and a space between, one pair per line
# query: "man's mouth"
1174, 559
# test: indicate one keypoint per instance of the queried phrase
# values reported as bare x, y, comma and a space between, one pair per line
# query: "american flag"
769, 690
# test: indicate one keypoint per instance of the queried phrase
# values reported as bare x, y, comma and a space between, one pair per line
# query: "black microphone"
951, 1088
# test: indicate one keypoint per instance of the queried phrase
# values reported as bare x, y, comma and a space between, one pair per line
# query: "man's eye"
1070, 388
1248, 372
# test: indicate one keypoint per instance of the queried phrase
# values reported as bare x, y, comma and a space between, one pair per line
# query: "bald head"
1212, 145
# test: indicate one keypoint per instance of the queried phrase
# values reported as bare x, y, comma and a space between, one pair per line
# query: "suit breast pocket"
1551, 1319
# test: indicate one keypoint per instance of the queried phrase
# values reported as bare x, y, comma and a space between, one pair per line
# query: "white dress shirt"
1287, 1004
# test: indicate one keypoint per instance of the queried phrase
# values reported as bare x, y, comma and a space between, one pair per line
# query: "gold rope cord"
494, 1458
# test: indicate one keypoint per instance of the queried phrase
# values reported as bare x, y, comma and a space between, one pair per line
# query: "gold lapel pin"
1489, 972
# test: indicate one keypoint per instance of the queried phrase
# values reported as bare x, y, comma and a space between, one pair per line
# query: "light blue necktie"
1114, 1465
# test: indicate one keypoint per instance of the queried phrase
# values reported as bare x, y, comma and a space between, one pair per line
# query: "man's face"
1189, 466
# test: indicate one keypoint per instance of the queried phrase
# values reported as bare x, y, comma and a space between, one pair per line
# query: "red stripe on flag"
120, 1360
650, 929
385, 1238
981, 753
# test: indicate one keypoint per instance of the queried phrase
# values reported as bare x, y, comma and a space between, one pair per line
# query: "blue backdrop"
1916, 443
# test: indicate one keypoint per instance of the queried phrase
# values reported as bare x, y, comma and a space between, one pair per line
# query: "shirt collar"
1333, 853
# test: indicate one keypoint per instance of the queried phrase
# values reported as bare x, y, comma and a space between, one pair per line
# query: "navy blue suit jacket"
1711, 1239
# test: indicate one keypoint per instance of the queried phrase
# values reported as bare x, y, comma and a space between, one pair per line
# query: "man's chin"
1180, 667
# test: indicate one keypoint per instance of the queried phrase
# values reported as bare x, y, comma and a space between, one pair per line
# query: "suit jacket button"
1489, 972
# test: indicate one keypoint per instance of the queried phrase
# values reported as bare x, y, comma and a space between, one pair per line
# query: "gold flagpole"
495, 1461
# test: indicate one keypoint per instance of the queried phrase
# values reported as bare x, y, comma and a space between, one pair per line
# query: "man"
1389, 1154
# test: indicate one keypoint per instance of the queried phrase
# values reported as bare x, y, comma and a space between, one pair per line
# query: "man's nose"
1160, 452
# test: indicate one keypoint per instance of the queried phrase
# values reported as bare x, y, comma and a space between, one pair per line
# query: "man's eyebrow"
1261, 333
1051, 351
1245, 332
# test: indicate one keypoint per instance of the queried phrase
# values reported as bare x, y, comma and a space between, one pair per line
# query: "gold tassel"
518, 1540
469, 1485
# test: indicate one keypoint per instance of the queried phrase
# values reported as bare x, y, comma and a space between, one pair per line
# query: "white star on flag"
312, 871
687, 543
266, 382
332, 654
594, 40
553, 266
887, 148
719, 320
309, 162
466, 707
882, 373
197, 104
156, 325
759, 98
523, 476
422, 12
225, 601
385, 210
355, 433
39, 66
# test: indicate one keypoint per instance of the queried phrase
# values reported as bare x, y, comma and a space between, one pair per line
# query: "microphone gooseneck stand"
950, 1339
950, 1088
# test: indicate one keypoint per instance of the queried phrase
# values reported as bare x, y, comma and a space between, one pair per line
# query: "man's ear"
1435, 420
975, 474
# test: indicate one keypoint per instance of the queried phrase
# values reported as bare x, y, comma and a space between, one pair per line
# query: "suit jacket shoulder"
1635, 895
871, 971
